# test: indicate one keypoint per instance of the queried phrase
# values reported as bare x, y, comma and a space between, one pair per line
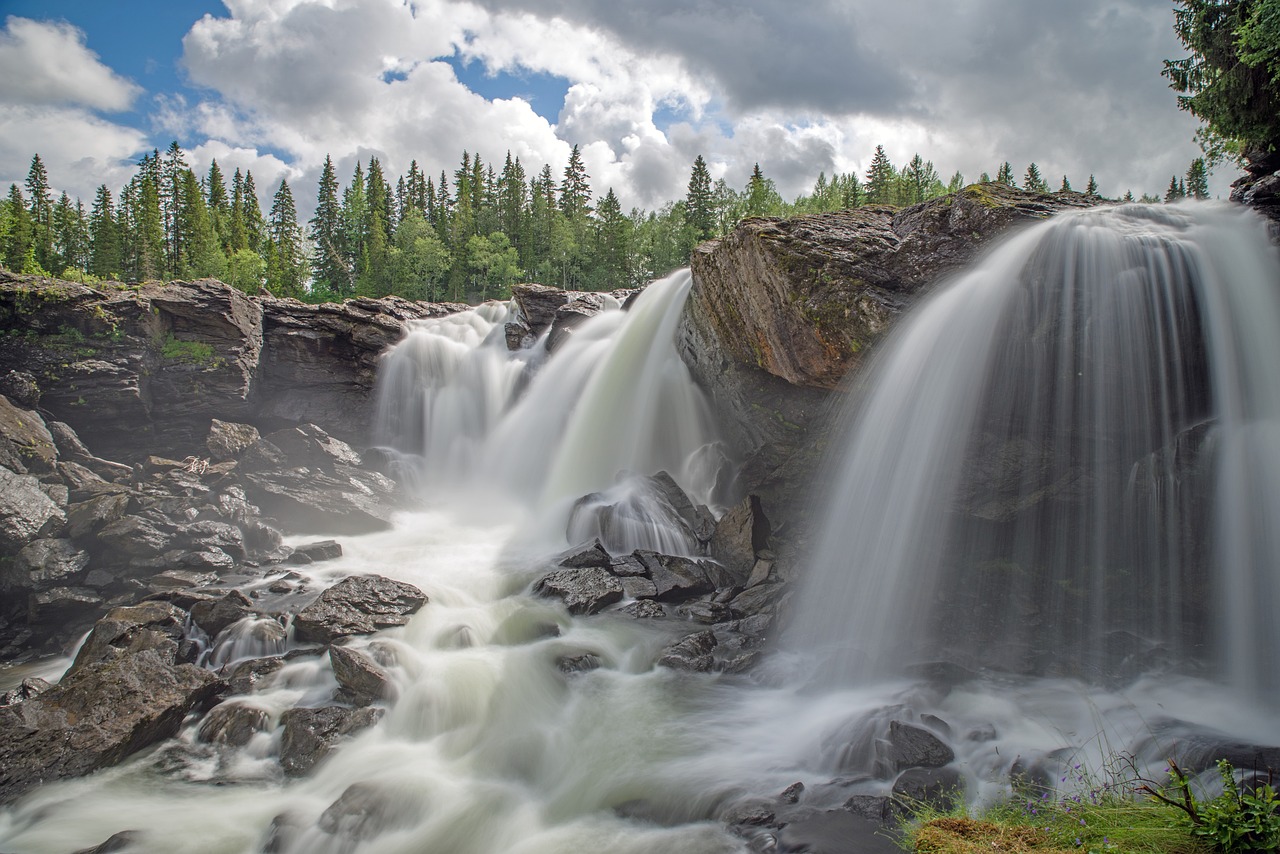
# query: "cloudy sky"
643, 86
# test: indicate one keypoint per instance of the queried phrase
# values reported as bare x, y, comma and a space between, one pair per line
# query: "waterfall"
471, 420
1066, 462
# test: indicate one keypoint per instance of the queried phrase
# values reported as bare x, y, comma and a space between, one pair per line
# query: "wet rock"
761, 599
215, 615
311, 481
592, 554
86, 518
27, 689
21, 388
122, 841
639, 588
252, 675
571, 664
26, 513
583, 591
25, 442
915, 747
358, 605
704, 612
210, 535
316, 552
212, 561
536, 307
149, 626
60, 605
227, 440
99, 714
676, 579
361, 680
692, 652
754, 812
644, 609
233, 724
366, 810
878, 808
791, 794
179, 579
42, 563
311, 734
135, 537
569, 316
940, 788
836, 832
628, 566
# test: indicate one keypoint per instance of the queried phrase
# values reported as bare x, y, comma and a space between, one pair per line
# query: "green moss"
188, 352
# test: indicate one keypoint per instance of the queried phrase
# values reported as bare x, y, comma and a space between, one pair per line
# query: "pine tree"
1033, 181
254, 224
286, 263
1004, 175
919, 178
328, 264
698, 203
19, 238
1197, 179
1175, 191
41, 213
575, 192
355, 217
202, 254
171, 203
1091, 189
237, 236
956, 184
219, 204
1066, 186
880, 179
105, 257
762, 198
612, 250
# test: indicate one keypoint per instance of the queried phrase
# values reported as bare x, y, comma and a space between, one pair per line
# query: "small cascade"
1067, 462
474, 421
251, 637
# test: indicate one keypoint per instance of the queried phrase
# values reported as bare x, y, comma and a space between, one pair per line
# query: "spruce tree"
41, 213
1004, 175
286, 263
105, 258
1033, 181
1066, 186
880, 179
202, 254
1197, 179
219, 204
328, 264
698, 203
575, 192
254, 224
1091, 189
1175, 191
171, 204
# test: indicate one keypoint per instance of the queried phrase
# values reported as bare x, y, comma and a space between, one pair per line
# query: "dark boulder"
359, 605
361, 681
26, 512
25, 442
911, 746
583, 591
233, 724
214, 615
227, 440
316, 552
43, 563
939, 788
312, 734
692, 652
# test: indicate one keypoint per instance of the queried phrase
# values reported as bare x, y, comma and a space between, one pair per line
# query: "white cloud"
48, 63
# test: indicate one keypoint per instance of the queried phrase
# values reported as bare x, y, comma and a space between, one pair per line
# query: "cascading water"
491, 746
1067, 462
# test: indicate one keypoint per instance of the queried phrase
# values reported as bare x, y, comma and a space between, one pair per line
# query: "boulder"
311, 734
226, 439
536, 307
316, 552
233, 724
939, 788
571, 315
911, 746
135, 537
692, 652
586, 590
361, 680
98, 715
367, 810
214, 615
26, 513
25, 442
358, 605
676, 579
592, 554
43, 563
21, 388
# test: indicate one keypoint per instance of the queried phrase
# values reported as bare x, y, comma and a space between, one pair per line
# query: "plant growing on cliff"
188, 352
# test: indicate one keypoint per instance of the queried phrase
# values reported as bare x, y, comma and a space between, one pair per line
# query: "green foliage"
187, 352
1237, 821
1231, 80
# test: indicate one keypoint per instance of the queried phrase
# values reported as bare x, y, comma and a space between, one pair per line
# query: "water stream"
491, 747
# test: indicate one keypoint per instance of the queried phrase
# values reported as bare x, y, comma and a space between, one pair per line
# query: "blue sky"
643, 88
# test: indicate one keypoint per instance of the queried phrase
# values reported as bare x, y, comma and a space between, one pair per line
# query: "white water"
490, 748
1063, 457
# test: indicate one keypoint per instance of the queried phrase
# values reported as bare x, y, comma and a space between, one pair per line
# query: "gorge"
633, 591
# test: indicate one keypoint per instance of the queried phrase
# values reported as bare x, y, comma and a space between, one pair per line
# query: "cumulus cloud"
48, 63
51, 86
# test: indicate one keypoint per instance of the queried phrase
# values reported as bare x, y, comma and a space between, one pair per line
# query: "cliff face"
782, 310
145, 369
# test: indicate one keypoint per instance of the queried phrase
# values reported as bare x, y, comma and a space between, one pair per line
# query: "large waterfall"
1067, 462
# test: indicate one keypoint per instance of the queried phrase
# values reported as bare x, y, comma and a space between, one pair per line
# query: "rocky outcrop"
358, 605
782, 310
145, 369
1259, 186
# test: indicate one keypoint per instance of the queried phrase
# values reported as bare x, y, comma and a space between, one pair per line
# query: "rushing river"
490, 746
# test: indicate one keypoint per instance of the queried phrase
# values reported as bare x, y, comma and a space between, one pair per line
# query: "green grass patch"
188, 352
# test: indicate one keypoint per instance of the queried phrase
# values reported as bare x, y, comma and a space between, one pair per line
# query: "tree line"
468, 235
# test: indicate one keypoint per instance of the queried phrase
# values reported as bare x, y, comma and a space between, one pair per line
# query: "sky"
642, 86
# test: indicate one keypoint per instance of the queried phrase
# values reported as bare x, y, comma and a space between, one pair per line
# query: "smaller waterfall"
477, 422
1067, 462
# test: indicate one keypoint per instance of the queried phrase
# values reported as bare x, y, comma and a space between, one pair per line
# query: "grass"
1113, 817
